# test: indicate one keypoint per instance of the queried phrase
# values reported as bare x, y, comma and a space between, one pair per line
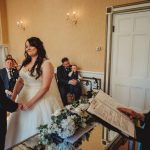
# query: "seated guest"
15, 64
9, 76
63, 79
74, 75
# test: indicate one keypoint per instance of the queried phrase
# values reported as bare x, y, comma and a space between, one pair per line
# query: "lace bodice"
29, 80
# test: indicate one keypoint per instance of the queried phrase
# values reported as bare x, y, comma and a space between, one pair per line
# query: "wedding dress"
23, 124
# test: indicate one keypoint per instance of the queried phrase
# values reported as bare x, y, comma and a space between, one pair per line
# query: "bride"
39, 96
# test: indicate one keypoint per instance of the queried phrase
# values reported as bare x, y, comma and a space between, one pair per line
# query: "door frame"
4, 51
111, 11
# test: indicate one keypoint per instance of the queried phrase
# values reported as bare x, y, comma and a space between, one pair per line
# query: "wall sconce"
73, 17
21, 25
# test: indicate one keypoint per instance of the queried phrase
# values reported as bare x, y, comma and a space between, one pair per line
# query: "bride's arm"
47, 75
18, 86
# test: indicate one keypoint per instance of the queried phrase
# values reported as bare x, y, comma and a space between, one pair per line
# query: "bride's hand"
27, 106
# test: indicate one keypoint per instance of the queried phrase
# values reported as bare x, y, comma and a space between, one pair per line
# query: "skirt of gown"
23, 124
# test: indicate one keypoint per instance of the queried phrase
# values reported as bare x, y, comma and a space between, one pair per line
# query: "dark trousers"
75, 90
63, 93
2, 136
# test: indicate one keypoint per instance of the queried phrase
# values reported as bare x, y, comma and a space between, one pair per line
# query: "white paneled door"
130, 66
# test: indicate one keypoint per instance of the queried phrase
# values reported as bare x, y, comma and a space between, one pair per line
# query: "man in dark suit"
9, 76
63, 79
5, 105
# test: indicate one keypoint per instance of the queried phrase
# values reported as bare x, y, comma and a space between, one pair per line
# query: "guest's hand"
8, 93
73, 82
70, 82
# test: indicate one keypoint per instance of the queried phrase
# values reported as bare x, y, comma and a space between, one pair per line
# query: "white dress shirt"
8, 73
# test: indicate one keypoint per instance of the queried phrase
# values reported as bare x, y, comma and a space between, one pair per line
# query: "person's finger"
19, 107
131, 117
24, 107
9, 93
121, 109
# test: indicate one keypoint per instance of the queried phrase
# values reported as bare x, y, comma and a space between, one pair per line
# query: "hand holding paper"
131, 113
105, 107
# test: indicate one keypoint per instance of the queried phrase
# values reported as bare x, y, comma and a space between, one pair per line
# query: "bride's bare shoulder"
47, 63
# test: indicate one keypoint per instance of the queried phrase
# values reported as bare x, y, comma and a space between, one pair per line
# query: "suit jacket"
5, 105
74, 75
143, 134
62, 76
9, 84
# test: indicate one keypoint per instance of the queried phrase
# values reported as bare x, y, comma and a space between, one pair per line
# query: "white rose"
84, 106
57, 112
68, 107
78, 111
90, 100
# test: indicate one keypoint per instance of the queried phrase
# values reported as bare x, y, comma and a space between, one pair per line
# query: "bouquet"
65, 122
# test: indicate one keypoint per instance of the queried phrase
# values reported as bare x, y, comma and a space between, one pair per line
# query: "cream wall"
47, 20
3, 23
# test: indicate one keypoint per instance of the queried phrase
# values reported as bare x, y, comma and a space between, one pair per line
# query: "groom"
5, 105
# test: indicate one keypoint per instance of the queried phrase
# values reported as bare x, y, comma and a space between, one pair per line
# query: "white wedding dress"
23, 124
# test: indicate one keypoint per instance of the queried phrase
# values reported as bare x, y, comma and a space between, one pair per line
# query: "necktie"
68, 70
11, 74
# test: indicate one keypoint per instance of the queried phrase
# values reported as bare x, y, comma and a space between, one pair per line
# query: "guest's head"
74, 68
14, 62
8, 63
34, 48
65, 62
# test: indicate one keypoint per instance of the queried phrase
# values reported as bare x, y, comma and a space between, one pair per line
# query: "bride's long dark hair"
35, 42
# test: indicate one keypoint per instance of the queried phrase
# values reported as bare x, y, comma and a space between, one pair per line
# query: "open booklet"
105, 107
